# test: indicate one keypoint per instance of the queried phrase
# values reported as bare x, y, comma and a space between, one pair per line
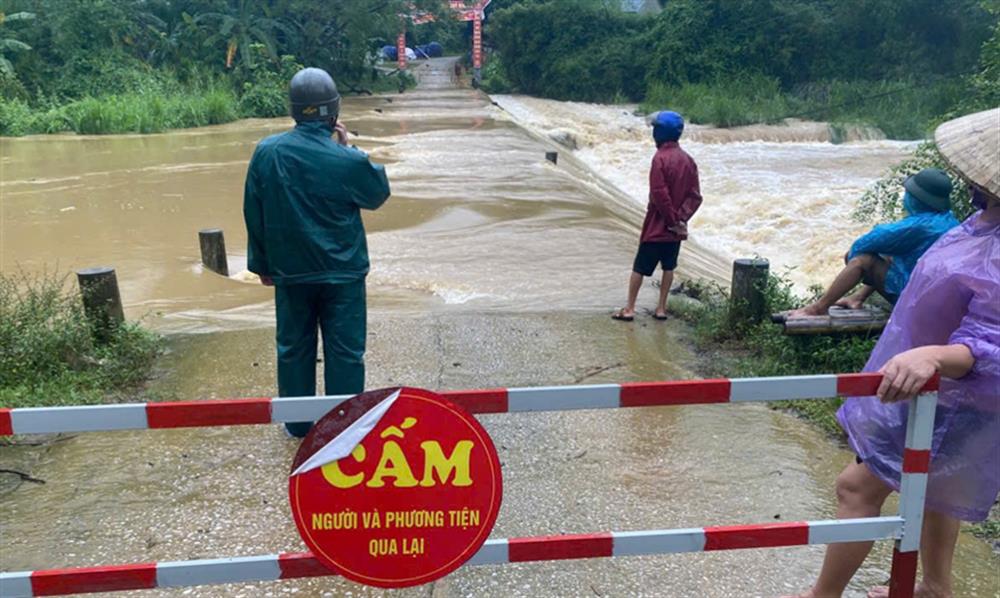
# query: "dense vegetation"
898, 64
49, 353
103, 66
740, 349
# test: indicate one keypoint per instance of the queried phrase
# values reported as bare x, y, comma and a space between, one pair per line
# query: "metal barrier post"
906, 527
912, 493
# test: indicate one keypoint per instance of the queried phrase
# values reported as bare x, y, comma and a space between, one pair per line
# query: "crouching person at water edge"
883, 258
304, 192
947, 322
674, 197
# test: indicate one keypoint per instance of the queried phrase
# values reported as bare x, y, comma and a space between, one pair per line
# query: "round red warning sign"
395, 487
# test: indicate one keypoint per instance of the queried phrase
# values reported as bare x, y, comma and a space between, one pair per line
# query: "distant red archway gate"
462, 13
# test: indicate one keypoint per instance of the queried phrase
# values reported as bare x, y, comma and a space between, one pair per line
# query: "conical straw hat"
971, 145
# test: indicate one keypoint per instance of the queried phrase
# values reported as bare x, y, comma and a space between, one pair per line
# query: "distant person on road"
946, 322
305, 190
884, 258
674, 197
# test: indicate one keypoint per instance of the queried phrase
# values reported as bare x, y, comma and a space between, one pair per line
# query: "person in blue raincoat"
305, 189
884, 257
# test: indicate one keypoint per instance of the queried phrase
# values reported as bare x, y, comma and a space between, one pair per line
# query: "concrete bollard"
102, 302
552, 157
748, 303
213, 250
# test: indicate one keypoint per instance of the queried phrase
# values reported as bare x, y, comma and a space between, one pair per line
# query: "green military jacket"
302, 206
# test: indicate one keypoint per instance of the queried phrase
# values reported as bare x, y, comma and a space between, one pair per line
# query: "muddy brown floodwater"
491, 267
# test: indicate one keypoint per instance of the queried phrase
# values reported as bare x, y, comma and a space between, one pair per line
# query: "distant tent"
431, 50
646, 7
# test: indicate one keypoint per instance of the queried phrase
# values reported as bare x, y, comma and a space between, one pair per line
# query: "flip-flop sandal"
621, 318
662, 318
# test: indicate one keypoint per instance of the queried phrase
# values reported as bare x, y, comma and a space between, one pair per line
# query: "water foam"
780, 192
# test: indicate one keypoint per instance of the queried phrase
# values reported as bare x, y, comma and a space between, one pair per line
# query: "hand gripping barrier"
904, 528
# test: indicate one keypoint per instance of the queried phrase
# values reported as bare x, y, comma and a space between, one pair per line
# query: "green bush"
902, 109
752, 350
572, 49
264, 88
48, 351
263, 101
494, 78
111, 72
217, 106
984, 86
15, 118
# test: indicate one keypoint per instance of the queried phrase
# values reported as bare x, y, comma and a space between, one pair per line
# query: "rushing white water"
781, 192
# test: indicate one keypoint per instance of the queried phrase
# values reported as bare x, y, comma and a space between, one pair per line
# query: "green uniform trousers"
338, 310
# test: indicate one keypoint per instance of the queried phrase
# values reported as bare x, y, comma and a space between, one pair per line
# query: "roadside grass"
729, 103
989, 530
151, 113
155, 111
129, 113
761, 349
901, 109
49, 354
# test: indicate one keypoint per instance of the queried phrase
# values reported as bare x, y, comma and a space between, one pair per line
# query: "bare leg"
859, 494
937, 552
857, 300
862, 266
634, 284
665, 284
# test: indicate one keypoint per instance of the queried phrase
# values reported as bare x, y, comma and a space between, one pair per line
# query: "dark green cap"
932, 187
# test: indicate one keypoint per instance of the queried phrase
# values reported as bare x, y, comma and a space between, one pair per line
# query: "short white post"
912, 494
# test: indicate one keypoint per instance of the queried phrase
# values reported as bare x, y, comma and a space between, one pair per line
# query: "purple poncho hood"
953, 297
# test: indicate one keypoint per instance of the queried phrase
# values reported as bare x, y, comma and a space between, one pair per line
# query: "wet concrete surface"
187, 494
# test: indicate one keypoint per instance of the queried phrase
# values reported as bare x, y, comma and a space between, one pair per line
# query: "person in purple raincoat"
947, 322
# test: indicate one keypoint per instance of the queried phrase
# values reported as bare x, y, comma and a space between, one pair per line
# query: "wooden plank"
836, 322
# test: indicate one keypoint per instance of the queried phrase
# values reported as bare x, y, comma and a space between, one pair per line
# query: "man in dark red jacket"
674, 197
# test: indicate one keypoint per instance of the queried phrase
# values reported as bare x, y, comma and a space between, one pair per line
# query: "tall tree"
242, 23
342, 40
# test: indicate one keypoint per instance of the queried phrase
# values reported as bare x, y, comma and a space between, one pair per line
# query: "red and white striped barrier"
494, 552
906, 528
913, 494
267, 410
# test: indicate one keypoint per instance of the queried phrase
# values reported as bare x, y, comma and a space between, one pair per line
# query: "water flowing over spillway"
783, 192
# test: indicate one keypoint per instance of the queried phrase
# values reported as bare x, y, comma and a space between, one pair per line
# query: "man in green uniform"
305, 189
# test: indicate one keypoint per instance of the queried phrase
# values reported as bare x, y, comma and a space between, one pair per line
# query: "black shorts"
649, 254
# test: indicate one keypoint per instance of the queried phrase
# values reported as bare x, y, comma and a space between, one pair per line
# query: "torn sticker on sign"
344, 443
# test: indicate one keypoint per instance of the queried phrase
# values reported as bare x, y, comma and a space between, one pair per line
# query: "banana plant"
10, 44
243, 23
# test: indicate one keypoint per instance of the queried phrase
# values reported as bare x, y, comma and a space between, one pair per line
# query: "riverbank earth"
492, 267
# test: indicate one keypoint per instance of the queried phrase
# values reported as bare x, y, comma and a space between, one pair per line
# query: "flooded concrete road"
491, 268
